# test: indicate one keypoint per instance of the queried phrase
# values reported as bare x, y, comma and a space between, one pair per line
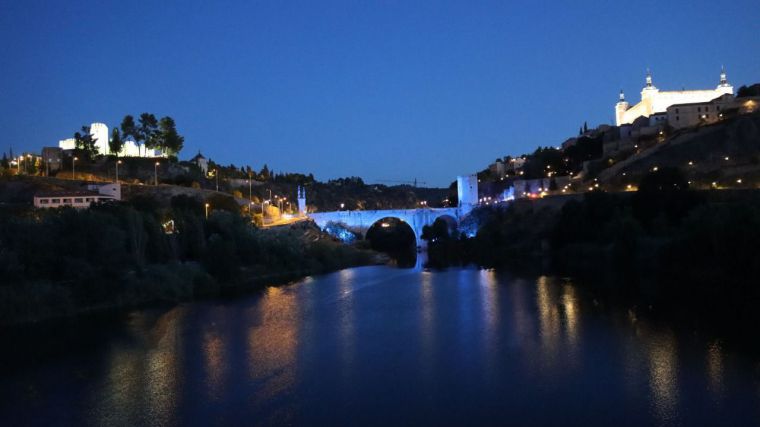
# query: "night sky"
383, 90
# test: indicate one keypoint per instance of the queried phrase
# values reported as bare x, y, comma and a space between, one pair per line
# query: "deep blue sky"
382, 90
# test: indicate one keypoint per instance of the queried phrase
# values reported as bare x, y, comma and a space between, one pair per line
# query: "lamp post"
207, 206
47, 167
118, 162
28, 160
216, 175
250, 195
73, 166
155, 177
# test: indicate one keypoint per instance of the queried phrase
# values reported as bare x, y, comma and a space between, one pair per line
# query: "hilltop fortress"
655, 102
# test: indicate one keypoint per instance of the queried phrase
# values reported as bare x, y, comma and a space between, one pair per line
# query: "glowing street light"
118, 162
207, 206
342, 205
155, 177
73, 165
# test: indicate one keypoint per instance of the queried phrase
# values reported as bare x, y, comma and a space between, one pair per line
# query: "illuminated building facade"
655, 102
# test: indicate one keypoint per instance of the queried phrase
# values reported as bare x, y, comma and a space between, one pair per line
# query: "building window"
79, 200
66, 200
676, 118
699, 109
676, 110
56, 201
44, 201
89, 199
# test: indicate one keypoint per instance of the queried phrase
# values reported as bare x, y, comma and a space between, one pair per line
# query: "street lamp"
118, 162
342, 205
216, 175
73, 165
207, 206
47, 167
250, 195
155, 178
28, 160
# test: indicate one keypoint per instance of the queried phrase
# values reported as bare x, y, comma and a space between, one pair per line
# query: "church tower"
620, 108
301, 201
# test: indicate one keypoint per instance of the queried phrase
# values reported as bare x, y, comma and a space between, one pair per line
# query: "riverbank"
61, 263
686, 255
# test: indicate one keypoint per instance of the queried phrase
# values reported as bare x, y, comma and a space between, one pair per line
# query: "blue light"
340, 231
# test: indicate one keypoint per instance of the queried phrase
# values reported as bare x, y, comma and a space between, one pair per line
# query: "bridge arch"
363, 220
393, 232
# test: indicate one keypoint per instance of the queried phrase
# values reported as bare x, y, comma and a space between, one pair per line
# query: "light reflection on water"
387, 346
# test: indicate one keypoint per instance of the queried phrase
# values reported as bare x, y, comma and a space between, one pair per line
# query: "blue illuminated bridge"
361, 221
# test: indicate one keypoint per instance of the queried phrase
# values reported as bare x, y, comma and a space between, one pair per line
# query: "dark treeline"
61, 262
664, 245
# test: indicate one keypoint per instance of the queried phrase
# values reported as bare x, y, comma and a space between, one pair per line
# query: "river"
378, 346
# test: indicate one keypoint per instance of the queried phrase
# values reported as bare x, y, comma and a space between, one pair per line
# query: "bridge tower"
467, 190
301, 201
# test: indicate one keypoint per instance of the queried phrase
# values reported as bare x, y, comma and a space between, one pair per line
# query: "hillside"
723, 155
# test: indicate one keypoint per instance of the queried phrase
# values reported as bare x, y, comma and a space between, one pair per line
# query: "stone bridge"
361, 221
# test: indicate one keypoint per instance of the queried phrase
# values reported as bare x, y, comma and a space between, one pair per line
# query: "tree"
147, 131
585, 127
116, 143
169, 140
85, 143
265, 174
128, 128
4, 163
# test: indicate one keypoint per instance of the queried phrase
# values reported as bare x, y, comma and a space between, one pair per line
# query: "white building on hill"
655, 102
99, 132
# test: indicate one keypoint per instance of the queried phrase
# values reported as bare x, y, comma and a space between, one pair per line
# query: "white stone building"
655, 102
78, 199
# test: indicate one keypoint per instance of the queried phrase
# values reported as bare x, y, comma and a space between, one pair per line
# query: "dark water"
379, 346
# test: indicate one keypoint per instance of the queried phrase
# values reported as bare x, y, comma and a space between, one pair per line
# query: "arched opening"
395, 238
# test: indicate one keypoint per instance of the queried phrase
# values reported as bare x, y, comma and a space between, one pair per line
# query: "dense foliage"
664, 244
55, 262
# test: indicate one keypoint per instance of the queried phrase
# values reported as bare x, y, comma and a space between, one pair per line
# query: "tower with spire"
723, 79
301, 201
621, 107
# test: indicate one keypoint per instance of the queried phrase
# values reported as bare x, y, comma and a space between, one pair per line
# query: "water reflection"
663, 376
715, 370
388, 345
272, 343
549, 322
427, 321
345, 309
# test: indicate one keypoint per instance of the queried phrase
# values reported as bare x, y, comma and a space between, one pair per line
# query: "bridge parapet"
363, 220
